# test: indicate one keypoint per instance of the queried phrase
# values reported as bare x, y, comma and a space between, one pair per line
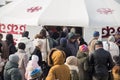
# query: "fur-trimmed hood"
56, 57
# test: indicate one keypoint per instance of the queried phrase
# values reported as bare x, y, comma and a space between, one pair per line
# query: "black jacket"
101, 61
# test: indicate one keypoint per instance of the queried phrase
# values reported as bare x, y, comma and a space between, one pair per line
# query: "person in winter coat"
101, 61
72, 63
32, 64
116, 68
63, 46
23, 59
112, 47
29, 44
2, 62
37, 51
58, 70
72, 43
11, 71
11, 45
92, 42
82, 56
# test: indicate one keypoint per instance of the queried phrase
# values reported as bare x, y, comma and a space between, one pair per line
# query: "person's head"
9, 38
14, 58
96, 34
25, 34
56, 57
72, 60
117, 35
83, 48
98, 44
35, 58
1, 36
43, 33
111, 38
63, 41
21, 46
71, 37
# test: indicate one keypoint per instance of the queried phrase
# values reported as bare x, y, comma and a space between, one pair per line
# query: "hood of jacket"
10, 65
56, 57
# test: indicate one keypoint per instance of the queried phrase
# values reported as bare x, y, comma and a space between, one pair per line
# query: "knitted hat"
35, 58
83, 48
71, 60
96, 34
111, 38
71, 35
36, 73
14, 58
63, 41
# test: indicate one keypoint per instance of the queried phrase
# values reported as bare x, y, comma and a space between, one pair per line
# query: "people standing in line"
101, 61
32, 64
111, 46
5, 49
23, 59
2, 63
82, 56
72, 43
26, 40
37, 51
11, 71
116, 68
63, 46
72, 63
92, 42
11, 45
45, 48
58, 70
117, 39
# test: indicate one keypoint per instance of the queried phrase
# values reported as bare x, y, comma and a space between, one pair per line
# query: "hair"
99, 43
25, 34
21, 46
9, 39
43, 33
50, 61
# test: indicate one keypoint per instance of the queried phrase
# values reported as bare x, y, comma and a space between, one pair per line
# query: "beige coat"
23, 60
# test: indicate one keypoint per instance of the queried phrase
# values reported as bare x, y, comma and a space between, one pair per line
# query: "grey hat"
111, 38
14, 58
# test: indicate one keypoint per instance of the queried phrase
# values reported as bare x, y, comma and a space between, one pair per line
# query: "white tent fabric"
63, 12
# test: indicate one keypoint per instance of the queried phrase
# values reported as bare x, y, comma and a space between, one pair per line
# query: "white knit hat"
35, 58
71, 60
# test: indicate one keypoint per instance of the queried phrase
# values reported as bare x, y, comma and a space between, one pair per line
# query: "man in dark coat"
11, 71
101, 61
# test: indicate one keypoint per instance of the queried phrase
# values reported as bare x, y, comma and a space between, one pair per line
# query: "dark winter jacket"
11, 71
101, 61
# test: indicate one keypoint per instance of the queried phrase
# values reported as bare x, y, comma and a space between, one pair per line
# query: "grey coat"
83, 66
11, 71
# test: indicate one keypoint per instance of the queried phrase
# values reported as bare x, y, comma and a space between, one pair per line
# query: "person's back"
101, 61
11, 71
58, 71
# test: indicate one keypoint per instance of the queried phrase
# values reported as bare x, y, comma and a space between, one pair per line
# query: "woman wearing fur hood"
58, 70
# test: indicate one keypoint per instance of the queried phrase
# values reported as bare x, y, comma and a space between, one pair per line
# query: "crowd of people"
60, 55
